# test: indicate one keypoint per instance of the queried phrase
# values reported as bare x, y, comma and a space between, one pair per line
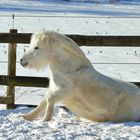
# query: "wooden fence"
11, 80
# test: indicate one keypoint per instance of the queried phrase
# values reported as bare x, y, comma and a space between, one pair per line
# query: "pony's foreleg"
35, 112
53, 98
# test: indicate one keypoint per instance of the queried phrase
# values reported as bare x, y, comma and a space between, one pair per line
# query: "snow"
63, 126
120, 19
65, 8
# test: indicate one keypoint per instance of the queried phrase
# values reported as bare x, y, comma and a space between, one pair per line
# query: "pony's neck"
67, 64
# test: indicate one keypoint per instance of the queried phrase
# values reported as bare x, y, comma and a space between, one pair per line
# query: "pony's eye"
36, 48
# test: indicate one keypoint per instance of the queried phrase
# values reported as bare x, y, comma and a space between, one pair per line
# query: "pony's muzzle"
23, 62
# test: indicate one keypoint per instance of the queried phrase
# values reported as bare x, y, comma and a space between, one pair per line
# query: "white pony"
76, 84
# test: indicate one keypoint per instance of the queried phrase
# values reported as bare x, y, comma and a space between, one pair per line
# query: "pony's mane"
69, 44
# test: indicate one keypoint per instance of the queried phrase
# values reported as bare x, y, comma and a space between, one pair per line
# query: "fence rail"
11, 80
30, 81
82, 40
24, 81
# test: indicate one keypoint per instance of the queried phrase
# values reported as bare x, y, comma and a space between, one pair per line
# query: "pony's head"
38, 52
48, 47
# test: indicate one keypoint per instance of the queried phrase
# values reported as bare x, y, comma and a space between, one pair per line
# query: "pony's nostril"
23, 62
21, 59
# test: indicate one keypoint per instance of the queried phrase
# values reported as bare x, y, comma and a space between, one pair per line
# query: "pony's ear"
45, 38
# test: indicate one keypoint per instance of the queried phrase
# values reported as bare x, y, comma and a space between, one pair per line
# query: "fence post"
11, 70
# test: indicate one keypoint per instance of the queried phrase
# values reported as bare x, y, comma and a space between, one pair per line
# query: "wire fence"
73, 22
14, 16
66, 16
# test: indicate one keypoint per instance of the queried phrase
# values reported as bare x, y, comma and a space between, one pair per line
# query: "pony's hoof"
46, 119
26, 117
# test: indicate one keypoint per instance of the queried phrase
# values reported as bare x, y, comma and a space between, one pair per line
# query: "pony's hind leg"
35, 112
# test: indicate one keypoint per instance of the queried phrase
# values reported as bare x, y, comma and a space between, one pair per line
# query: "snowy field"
63, 126
72, 18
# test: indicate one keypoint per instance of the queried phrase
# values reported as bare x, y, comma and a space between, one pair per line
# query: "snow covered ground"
66, 125
63, 126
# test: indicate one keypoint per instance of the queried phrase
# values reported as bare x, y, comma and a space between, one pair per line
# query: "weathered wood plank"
6, 100
106, 40
137, 83
30, 81
24, 81
23, 38
82, 40
11, 69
